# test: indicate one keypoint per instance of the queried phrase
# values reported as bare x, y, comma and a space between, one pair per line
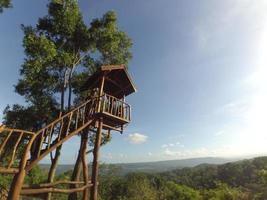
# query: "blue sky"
199, 66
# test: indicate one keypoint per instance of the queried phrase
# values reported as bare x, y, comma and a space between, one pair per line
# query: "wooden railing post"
17, 182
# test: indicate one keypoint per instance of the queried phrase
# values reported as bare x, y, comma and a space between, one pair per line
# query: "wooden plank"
112, 67
9, 170
18, 130
53, 190
45, 185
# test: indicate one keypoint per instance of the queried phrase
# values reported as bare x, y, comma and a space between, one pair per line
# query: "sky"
199, 67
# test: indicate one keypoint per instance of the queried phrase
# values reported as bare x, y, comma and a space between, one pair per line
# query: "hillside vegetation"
242, 180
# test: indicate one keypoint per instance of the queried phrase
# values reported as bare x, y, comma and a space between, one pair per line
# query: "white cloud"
108, 156
121, 155
219, 133
201, 152
168, 152
150, 154
137, 138
164, 146
233, 150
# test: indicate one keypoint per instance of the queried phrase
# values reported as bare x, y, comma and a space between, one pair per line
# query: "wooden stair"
44, 141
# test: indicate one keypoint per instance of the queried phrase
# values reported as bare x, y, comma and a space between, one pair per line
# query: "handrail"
116, 107
43, 139
54, 133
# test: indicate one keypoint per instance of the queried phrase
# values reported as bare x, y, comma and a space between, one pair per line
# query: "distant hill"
159, 166
249, 174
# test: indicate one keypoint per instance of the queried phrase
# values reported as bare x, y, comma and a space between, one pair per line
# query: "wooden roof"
117, 80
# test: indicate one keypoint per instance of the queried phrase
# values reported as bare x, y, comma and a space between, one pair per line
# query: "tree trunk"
53, 168
85, 165
54, 161
70, 86
63, 93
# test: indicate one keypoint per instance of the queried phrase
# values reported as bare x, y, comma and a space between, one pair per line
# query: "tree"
175, 191
139, 187
224, 192
4, 4
61, 52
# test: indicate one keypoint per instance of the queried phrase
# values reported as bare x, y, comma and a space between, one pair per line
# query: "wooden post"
18, 180
100, 93
94, 180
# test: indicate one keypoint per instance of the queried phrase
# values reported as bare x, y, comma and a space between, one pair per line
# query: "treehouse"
104, 110
109, 86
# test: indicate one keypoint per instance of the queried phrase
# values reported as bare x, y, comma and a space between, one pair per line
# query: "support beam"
46, 185
94, 180
53, 190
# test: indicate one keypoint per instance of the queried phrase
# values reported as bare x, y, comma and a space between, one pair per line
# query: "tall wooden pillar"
94, 180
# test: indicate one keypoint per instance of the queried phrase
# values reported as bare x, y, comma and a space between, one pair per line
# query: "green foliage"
174, 191
4, 4
35, 176
144, 186
109, 41
13, 117
224, 192
137, 186
5, 181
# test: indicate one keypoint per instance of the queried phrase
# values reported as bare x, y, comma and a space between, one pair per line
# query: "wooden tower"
112, 84
105, 110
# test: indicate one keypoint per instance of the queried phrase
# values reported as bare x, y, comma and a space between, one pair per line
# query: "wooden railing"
60, 130
54, 134
51, 187
115, 107
14, 142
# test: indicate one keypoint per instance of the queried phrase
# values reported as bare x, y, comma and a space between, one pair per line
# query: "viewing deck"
115, 112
